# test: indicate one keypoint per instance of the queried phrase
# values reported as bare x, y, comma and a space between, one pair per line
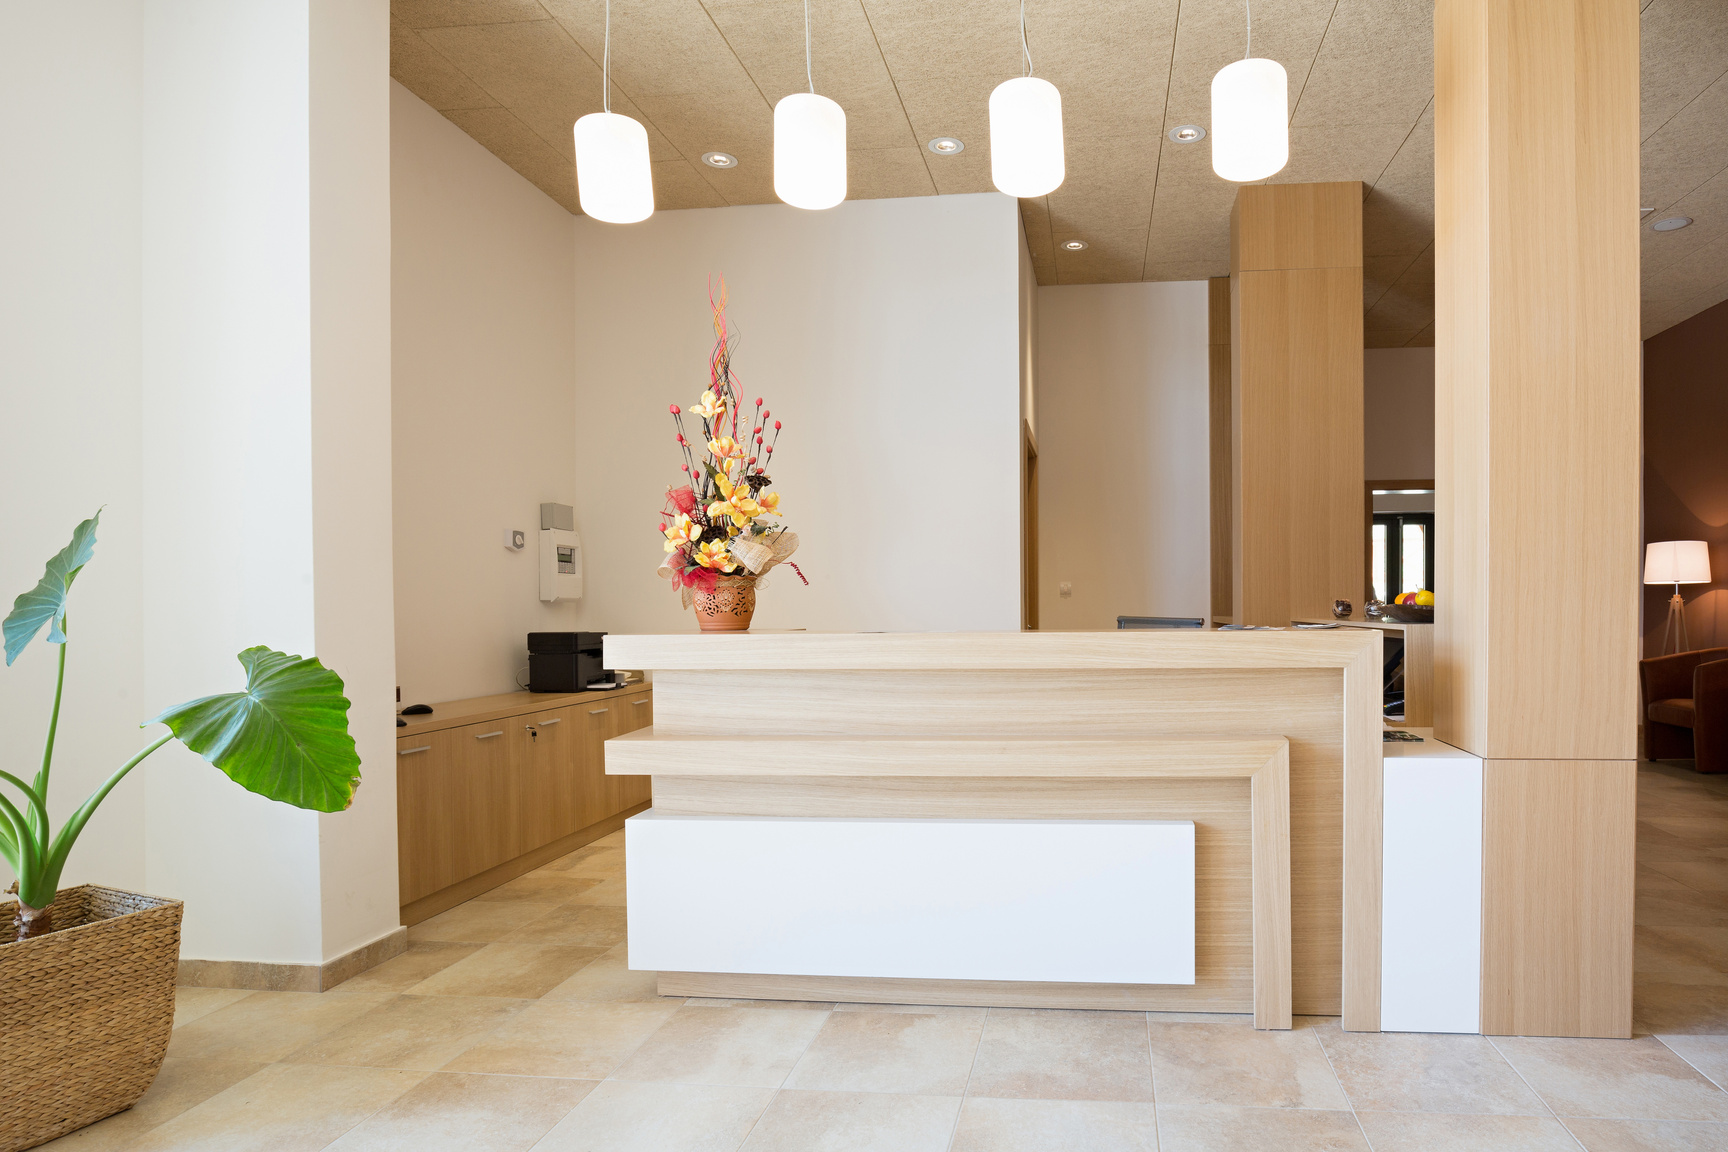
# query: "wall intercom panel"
560, 554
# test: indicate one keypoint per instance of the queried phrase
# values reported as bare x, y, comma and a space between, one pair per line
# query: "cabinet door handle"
411, 751
488, 735
638, 703
597, 711
549, 723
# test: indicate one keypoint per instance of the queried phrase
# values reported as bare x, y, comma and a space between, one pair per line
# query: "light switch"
515, 539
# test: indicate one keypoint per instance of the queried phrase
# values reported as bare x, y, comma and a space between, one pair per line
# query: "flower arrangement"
717, 525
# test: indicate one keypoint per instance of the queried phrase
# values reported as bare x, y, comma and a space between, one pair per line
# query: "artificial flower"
726, 450
680, 532
714, 555
710, 407
770, 502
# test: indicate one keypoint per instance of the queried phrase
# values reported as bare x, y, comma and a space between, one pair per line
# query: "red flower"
758, 401
673, 408
776, 425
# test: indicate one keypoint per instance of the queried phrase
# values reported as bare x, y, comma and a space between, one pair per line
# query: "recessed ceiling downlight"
719, 159
1671, 224
946, 146
1187, 133
1074, 245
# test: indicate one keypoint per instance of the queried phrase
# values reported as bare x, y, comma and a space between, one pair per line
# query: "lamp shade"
1250, 120
1677, 562
809, 151
1026, 157
614, 182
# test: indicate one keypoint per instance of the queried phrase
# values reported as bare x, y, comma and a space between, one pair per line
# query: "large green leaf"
46, 603
285, 737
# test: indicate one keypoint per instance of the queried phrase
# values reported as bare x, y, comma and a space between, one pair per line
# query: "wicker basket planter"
87, 1011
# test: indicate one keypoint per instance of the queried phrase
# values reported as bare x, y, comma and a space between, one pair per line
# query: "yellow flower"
770, 502
726, 450
710, 407
681, 531
714, 555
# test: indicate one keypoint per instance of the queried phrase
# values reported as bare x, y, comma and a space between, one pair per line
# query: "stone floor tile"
1708, 1054
609, 891
467, 1113
604, 862
926, 1055
194, 1003
1224, 1128
1418, 1072
717, 1002
1443, 1132
478, 921
746, 1047
400, 973
1058, 1055
541, 888
620, 1117
1226, 1064
180, 1085
283, 1108
1648, 1135
423, 1032
1624, 1079
584, 924
999, 1125
565, 1038
610, 978
799, 1121
514, 971
266, 1026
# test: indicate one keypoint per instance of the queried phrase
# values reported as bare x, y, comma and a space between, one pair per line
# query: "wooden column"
1536, 455
1218, 370
1296, 392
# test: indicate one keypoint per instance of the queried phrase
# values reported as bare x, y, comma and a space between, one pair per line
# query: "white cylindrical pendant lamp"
809, 151
614, 181
1026, 157
1250, 120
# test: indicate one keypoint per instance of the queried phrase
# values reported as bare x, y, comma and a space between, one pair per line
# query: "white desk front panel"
1085, 901
1431, 919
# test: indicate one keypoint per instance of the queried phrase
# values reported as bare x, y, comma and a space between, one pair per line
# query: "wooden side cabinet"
492, 788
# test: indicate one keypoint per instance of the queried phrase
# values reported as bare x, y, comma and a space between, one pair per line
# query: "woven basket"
85, 1011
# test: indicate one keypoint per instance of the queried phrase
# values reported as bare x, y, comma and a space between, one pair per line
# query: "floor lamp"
1676, 562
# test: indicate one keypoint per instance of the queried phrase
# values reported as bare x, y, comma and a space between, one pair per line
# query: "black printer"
566, 661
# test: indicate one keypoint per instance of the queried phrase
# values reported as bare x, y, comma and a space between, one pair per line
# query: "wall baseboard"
261, 976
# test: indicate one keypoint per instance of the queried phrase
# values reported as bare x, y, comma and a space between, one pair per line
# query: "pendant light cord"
808, 75
1024, 47
1248, 15
606, 63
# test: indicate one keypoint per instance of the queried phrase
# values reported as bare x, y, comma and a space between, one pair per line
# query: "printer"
566, 662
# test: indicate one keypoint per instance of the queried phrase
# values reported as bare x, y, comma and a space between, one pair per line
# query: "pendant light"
809, 143
1250, 116
1026, 157
614, 181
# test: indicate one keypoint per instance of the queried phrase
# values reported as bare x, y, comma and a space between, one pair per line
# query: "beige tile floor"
513, 1023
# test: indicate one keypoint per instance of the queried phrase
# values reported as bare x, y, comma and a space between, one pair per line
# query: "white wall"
1398, 413
484, 403
884, 334
69, 364
1122, 453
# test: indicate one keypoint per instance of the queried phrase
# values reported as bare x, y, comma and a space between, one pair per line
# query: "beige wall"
1398, 414
484, 404
1124, 497
884, 334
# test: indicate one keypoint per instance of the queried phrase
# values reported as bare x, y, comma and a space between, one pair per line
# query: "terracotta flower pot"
729, 607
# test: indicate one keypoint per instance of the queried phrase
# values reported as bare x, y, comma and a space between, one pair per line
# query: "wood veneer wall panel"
1282, 226
1557, 892
1296, 367
1303, 705
1218, 389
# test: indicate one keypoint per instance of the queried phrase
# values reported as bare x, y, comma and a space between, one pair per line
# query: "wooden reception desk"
786, 762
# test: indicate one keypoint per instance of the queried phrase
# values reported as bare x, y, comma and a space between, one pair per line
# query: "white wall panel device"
1431, 923
1084, 901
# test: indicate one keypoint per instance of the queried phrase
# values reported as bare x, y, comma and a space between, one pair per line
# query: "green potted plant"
87, 973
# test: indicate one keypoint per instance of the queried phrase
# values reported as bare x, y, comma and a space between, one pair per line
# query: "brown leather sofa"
1686, 707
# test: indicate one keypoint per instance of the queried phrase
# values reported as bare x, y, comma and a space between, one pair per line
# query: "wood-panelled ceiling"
704, 75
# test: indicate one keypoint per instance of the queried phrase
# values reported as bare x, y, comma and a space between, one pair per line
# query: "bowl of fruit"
1410, 608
